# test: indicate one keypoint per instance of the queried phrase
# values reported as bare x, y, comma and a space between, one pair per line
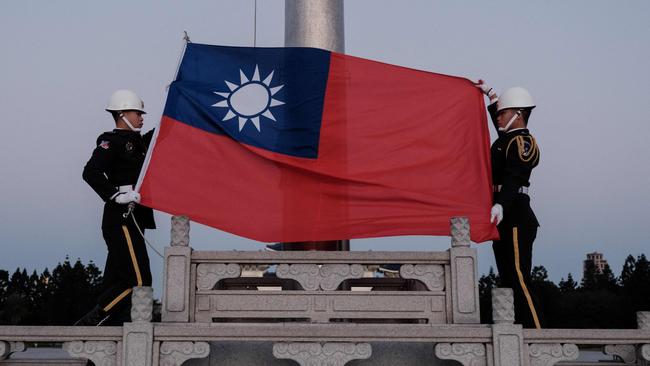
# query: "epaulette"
527, 149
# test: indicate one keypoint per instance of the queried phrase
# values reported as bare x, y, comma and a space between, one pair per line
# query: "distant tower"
598, 261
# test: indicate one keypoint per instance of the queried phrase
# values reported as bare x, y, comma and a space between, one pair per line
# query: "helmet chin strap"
126, 120
512, 120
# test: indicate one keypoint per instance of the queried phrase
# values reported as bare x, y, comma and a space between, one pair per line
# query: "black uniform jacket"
514, 156
116, 161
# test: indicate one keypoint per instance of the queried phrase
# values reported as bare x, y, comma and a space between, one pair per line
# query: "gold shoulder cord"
533, 152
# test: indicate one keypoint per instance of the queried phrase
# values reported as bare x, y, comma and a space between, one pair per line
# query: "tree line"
59, 297
600, 300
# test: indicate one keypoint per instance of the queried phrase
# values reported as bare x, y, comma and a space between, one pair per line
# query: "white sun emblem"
250, 99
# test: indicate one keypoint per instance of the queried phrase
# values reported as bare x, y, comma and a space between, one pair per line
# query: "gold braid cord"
532, 154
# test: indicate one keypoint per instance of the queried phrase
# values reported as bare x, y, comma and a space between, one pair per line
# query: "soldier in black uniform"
112, 172
514, 156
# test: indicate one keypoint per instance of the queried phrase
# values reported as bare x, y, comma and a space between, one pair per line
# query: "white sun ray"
223, 103
256, 74
225, 95
276, 89
242, 122
231, 86
229, 115
242, 77
256, 122
268, 115
268, 79
275, 102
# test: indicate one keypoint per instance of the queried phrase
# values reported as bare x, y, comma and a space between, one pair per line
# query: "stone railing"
432, 287
219, 309
503, 343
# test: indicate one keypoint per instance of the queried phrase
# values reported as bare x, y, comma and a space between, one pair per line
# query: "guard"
112, 172
514, 156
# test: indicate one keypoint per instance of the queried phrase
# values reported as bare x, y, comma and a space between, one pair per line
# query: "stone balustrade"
210, 286
219, 309
144, 343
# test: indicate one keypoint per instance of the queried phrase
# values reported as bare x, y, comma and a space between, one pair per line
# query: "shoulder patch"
104, 144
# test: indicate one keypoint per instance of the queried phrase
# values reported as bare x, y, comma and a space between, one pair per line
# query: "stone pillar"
176, 275
464, 280
643, 323
507, 337
138, 335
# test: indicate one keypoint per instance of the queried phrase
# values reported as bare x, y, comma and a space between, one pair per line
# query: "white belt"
498, 188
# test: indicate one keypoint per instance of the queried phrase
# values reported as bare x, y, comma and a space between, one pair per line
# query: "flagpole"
154, 138
319, 24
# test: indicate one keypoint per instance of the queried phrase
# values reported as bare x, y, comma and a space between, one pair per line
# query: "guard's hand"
486, 89
496, 214
127, 197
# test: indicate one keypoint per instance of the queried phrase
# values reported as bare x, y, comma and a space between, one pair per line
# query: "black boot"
94, 317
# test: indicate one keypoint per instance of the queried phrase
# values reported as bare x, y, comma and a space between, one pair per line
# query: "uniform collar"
122, 132
522, 130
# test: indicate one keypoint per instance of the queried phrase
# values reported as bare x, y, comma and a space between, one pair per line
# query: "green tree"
569, 285
589, 282
605, 280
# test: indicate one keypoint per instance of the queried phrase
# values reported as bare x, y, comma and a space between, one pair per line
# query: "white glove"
486, 89
496, 213
127, 197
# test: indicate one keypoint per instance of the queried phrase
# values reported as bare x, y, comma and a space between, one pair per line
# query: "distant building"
598, 261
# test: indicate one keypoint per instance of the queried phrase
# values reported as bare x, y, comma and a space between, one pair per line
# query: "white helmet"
125, 100
516, 97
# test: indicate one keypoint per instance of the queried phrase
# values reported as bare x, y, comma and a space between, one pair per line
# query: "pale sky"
585, 63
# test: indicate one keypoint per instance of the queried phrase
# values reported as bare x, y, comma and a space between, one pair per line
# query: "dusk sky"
585, 63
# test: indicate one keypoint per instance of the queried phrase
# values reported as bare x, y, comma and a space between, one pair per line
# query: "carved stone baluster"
548, 354
643, 320
138, 335
175, 353
627, 352
464, 278
503, 306
331, 275
645, 353
208, 274
330, 354
460, 232
7, 348
468, 354
101, 353
307, 275
507, 337
432, 275
176, 276
314, 277
643, 323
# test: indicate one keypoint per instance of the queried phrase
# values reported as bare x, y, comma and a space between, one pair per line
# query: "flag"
303, 144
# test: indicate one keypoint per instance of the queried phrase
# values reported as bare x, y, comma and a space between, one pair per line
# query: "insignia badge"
104, 145
129, 146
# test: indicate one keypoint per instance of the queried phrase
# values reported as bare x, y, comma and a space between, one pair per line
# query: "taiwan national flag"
303, 144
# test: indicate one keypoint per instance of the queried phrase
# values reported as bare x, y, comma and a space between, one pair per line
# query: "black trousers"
127, 265
513, 254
